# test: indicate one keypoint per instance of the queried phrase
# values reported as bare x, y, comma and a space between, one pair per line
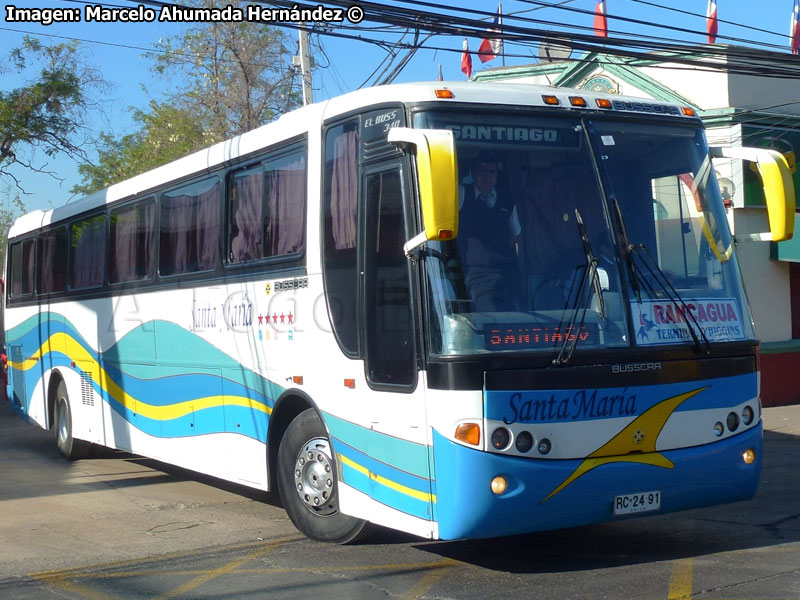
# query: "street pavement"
121, 526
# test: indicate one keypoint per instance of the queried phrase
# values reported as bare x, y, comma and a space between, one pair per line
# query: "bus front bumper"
466, 507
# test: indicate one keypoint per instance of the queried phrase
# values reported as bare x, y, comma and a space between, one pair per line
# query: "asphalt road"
119, 526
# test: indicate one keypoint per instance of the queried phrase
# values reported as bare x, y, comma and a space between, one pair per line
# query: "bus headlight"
500, 438
747, 415
733, 421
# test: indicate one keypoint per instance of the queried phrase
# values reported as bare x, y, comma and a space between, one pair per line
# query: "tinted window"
246, 207
284, 223
340, 224
132, 252
52, 263
87, 239
189, 239
21, 268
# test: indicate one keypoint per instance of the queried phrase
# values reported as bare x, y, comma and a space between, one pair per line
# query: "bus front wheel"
307, 483
68, 446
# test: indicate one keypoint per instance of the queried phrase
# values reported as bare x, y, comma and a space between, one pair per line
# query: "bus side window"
189, 237
51, 270
87, 252
21, 269
245, 209
133, 232
284, 221
340, 224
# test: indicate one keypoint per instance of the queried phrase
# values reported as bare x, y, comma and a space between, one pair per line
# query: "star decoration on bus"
624, 447
275, 318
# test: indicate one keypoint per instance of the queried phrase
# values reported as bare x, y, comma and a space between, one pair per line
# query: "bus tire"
307, 483
71, 448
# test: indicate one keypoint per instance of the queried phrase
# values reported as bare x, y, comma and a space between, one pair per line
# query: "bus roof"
300, 121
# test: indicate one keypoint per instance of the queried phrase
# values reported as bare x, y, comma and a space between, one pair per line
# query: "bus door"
397, 403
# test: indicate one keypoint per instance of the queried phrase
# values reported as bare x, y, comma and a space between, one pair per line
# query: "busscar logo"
636, 367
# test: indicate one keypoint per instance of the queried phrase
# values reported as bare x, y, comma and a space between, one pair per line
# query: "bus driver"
488, 228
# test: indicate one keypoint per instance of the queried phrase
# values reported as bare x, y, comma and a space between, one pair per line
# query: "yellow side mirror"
776, 177
437, 171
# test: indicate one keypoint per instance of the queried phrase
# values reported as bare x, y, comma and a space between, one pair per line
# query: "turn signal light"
749, 456
469, 433
445, 234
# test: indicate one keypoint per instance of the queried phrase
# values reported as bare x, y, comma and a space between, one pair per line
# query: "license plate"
627, 504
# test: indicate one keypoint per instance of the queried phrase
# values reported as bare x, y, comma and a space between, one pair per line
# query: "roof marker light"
444, 93
688, 111
577, 101
603, 103
551, 100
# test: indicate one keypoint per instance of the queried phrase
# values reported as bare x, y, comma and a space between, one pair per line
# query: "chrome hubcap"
313, 477
63, 426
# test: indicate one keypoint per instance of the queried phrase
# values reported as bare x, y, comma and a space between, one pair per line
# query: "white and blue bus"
458, 311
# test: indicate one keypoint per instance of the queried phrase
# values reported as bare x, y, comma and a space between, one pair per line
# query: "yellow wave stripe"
619, 448
388, 482
75, 351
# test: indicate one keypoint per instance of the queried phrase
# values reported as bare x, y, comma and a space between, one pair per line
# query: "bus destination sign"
519, 336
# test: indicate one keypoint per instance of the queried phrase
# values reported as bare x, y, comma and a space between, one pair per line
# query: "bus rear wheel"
307, 483
71, 448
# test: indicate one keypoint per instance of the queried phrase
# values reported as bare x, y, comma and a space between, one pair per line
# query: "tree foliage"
8, 214
227, 77
48, 111
164, 133
238, 75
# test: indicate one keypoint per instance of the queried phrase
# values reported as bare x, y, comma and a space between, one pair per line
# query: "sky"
119, 51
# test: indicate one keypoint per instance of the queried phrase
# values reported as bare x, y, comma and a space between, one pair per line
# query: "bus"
338, 307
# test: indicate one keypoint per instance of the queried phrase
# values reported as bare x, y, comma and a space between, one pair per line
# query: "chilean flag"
600, 19
711, 21
491, 47
795, 28
466, 60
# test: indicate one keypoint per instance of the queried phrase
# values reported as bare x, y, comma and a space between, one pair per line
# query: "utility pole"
305, 66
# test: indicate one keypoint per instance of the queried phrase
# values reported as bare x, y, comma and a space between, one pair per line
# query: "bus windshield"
597, 234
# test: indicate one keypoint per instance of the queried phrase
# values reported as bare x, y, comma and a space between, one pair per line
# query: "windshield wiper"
629, 251
589, 273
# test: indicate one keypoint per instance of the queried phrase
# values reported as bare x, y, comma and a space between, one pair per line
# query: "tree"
231, 77
47, 112
8, 214
165, 133
238, 75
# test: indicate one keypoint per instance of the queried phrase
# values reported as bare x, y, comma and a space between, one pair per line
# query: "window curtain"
132, 243
246, 213
286, 207
344, 190
88, 241
190, 229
